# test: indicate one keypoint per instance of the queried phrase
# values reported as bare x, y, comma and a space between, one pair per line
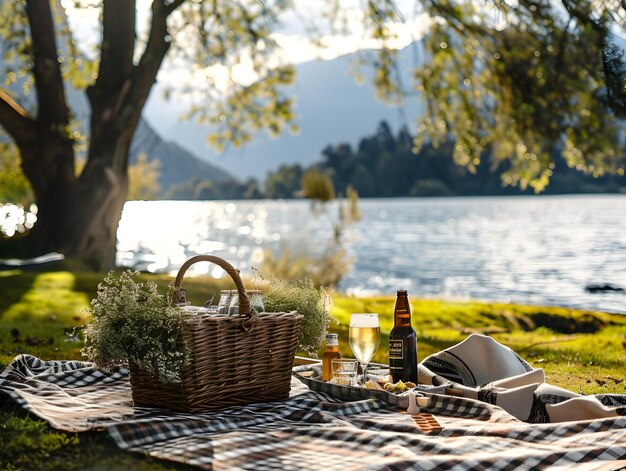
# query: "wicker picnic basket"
239, 359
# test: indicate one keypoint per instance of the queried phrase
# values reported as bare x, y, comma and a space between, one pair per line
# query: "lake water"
534, 250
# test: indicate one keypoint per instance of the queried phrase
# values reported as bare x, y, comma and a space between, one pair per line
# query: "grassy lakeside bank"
579, 350
38, 312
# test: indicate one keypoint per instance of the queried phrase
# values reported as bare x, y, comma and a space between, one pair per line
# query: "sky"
290, 34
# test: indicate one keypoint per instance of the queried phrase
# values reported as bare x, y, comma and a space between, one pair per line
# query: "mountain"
178, 165
331, 107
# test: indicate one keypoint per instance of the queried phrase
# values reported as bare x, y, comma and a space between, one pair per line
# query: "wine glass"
364, 337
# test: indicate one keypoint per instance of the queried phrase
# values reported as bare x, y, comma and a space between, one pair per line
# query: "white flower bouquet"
133, 324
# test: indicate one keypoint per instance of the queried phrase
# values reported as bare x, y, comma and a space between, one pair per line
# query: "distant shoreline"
621, 193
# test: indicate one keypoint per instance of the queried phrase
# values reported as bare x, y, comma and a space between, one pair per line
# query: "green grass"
39, 312
577, 349
45, 308
30, 444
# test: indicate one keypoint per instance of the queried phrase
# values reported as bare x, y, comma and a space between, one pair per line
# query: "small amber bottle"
331, 352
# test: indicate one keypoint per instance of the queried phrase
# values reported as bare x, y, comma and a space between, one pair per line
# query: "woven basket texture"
235, 360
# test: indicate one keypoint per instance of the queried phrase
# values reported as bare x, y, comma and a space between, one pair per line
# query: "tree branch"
584, 17
173, 6
115, 72
118, 44
146, 71
15, 120
47, 71
122, 89
451, 15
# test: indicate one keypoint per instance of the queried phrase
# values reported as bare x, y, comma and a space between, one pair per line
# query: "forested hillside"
386, 165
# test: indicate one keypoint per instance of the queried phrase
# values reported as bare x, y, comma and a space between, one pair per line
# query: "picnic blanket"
313, 430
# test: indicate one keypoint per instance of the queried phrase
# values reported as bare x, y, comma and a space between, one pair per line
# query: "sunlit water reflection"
537, 250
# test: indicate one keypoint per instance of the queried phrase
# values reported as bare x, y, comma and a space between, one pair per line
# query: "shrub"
312, 303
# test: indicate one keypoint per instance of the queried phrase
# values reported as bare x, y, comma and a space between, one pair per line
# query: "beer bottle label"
395, 349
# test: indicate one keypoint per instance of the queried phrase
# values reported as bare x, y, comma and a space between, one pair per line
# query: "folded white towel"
481, 368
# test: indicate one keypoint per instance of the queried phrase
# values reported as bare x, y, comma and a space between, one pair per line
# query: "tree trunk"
89, 232
79, 226
100, 194
78, 219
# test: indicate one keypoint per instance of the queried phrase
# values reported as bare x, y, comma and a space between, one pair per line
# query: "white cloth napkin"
481, 368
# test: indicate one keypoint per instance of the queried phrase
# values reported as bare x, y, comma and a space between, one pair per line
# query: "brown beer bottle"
402, 342
331, 352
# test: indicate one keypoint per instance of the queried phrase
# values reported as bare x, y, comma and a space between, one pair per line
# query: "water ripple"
537, 250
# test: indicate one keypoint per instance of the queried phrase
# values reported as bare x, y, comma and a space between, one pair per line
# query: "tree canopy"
519, 77
525, 78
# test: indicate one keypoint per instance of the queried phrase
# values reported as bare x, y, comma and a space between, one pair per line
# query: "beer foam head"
364, 320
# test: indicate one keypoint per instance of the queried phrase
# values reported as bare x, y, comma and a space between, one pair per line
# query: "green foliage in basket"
312, 303
133, 324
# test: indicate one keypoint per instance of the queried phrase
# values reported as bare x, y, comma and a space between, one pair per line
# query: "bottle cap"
401, 291
332, 336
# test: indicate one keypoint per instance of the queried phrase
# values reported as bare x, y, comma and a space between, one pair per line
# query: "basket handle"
245, 309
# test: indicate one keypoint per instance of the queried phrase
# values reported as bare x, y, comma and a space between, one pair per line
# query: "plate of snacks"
379, 385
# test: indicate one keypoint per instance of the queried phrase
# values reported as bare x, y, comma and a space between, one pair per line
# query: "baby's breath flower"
133, 324
313, 304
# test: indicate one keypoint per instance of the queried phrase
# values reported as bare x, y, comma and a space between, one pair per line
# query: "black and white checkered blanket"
310, 430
